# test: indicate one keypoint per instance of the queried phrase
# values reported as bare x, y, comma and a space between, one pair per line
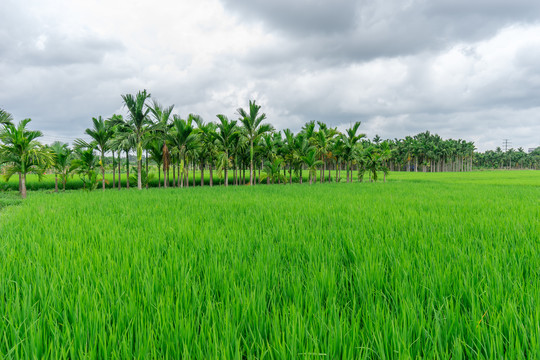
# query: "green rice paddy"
443, 265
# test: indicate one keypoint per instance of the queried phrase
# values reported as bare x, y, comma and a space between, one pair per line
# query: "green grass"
426, 265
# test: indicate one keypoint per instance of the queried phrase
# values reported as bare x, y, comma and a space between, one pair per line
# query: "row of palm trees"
176, 145
510, 159
428, 152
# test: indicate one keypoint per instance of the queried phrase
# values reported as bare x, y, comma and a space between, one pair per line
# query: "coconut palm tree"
112, 125
123, 140
22, 153
312, 163
207, 137
272, 171
163, 116
155, 150
253, 129
85, 163
226, 134
139, 124
289, 145
323, 142
183, 138
101, 134
350, 142
61, 165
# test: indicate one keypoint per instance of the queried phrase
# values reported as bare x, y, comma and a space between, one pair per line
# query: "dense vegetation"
179, 147
425, 266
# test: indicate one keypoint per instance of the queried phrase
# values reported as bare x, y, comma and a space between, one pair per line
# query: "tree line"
177, 145
509, 159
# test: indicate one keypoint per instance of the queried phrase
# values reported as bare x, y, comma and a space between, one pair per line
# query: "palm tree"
302, 148
85, 163
163, 116
22, 152
61, 156
350, 141
123, 140
183, 137
226, 134
272, 171
207, 136
385, 154
138, 123
253, 129
289, 151
112, 124
312, 163
101, 134
5, 117
155, 148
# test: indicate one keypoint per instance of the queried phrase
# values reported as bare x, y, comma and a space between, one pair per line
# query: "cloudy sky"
459, 68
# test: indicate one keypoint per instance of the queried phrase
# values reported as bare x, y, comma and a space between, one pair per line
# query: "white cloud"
400, 68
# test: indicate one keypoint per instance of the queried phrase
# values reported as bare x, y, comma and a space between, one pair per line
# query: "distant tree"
163, 116
155, 150
351, 140
253, 129
61, 163
101, 134
22, 153
226, 133
85, 163
312, 163
139, 123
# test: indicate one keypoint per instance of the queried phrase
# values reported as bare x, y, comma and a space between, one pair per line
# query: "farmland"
426, 265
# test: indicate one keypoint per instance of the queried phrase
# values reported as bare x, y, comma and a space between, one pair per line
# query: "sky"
459, 68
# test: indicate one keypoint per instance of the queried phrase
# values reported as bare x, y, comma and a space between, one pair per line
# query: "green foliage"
146, 177
432, 266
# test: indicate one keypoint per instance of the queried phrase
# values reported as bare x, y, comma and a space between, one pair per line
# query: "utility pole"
506, 143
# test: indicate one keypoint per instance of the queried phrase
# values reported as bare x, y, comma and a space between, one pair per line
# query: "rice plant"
424, 266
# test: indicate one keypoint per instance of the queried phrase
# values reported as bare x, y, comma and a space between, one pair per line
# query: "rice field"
443, 265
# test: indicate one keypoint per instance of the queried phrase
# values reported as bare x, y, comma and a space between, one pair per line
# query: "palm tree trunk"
159, 176
139, 175
147, 174
127, 170
202, 174
290, 173
103, 170
22, 180
329, 174
251, 163
165, 177
119, 171
194, 174
64, 183
211, 173
55, 183
113, 172
174, 175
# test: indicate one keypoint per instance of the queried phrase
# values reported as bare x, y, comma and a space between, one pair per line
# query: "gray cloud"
459, 68
361, 31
